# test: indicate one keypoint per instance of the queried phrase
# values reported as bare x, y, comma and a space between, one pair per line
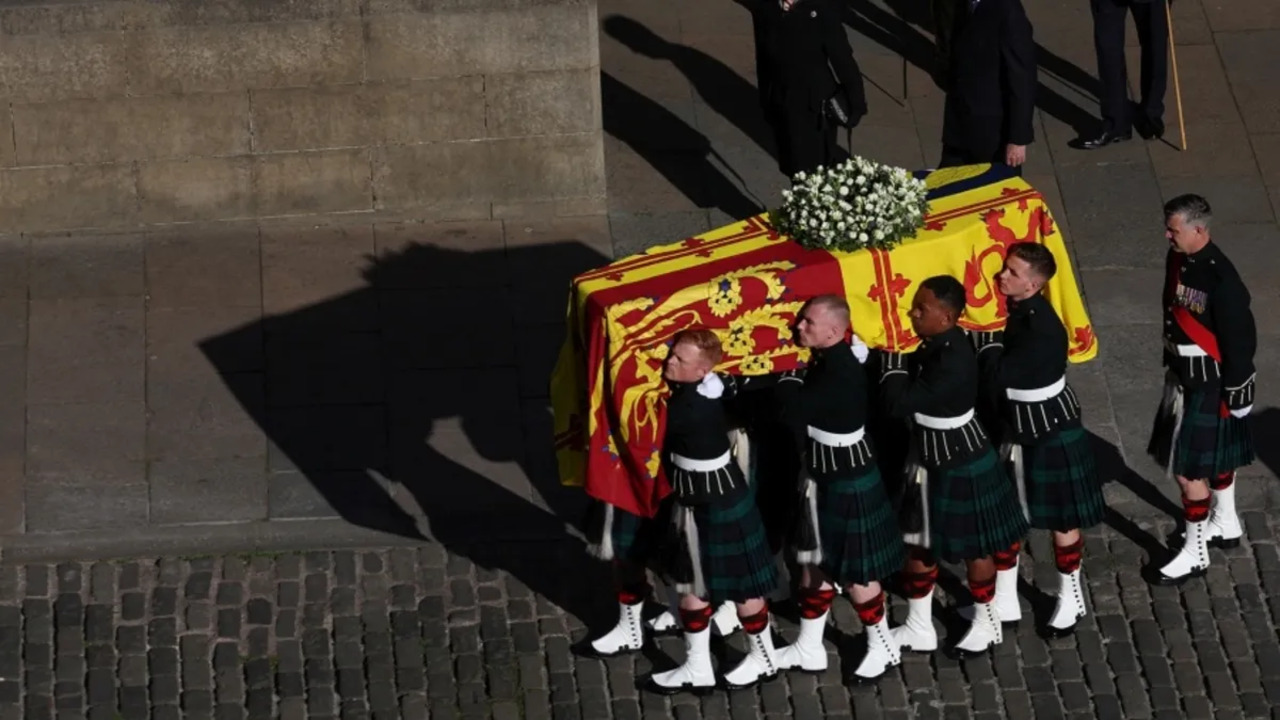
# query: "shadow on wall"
371, 397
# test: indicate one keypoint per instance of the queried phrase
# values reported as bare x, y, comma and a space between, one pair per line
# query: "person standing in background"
991, 90
804, 62
1118, 118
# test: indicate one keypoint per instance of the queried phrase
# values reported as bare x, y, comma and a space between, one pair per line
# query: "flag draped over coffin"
746, 282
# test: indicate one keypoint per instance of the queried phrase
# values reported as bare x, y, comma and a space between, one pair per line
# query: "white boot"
761, 662
725, 622
917, 633
1224, 524
807, 652
626, 636
984, 633
1192, 560
882, 652
1070, 607
663, 623
1007, 607
695, 674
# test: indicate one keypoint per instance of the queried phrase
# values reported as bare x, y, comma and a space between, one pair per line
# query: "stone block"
195, 414
324, 438
312, 182
196, 189
12, 501
1225, 15
14, 266
202, 491
68, 18
1235, 199
332, 368
124, 129
237, 57
1213, 150
8, 157
86, 444
86, 351
69, 508
204, 266
311, 272
506, 40
549, 166
415, 175
229, 12
1266, 148
35, 68
67, 197
13, 322
86, 266
543, 103
1129, 296
226, 338
547, 209
430, 110
416, 255
13, 387
661, 182
1116, 216
1246, 55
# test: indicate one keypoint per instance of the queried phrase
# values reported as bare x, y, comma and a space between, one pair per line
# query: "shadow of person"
1265, 427
671, 146
401, 404
727, 93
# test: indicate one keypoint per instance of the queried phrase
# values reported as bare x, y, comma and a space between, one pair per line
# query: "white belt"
837, 439
1038, 394
1186, 350
943, 423
692, 465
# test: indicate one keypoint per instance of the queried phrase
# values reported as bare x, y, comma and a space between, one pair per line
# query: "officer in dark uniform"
718, 550
798, 45
1200, 433
959, 505
1042, 437
849, 533
1118, 120
991, 94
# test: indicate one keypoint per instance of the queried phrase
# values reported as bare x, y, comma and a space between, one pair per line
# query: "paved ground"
269, 367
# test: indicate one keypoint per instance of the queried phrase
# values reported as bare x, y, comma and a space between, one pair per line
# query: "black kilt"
1207, 444
1063, 489
973, 510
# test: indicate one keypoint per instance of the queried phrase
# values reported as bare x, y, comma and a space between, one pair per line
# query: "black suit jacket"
793, 50
991, 93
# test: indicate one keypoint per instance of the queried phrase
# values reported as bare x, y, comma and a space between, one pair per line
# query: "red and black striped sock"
1222, 481
632, 594
1008, 559
757, 623
1195, 510
695, 621
871, 612
983, 591
918, 585
815, 602
1067, 557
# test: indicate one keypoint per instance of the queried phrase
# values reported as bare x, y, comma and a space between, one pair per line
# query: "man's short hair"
1194, 210
948, 290
707, 342
1039, 257
835, 304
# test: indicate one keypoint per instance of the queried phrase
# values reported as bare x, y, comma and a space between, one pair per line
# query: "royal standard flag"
746, 282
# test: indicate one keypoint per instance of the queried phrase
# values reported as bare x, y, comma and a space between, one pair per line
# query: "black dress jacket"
992, 84
796, 52
1207, 289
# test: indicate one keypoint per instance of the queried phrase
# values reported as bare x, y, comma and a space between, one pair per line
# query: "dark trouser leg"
944, 18
1108, 40
777, 119
953, 156
811, 140
1153, 35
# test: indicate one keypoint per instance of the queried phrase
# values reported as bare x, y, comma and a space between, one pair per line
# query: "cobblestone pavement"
418, 632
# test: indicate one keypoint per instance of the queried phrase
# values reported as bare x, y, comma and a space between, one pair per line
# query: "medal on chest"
1190, 298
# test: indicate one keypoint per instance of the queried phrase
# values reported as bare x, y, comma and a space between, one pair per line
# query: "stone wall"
123, 113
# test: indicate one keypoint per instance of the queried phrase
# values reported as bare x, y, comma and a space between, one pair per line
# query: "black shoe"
1150, 128
1105, 139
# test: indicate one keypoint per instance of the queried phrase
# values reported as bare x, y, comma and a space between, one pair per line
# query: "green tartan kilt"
1207, 444
858, 528
734, 553
636, 539
1063, 489
973, 510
